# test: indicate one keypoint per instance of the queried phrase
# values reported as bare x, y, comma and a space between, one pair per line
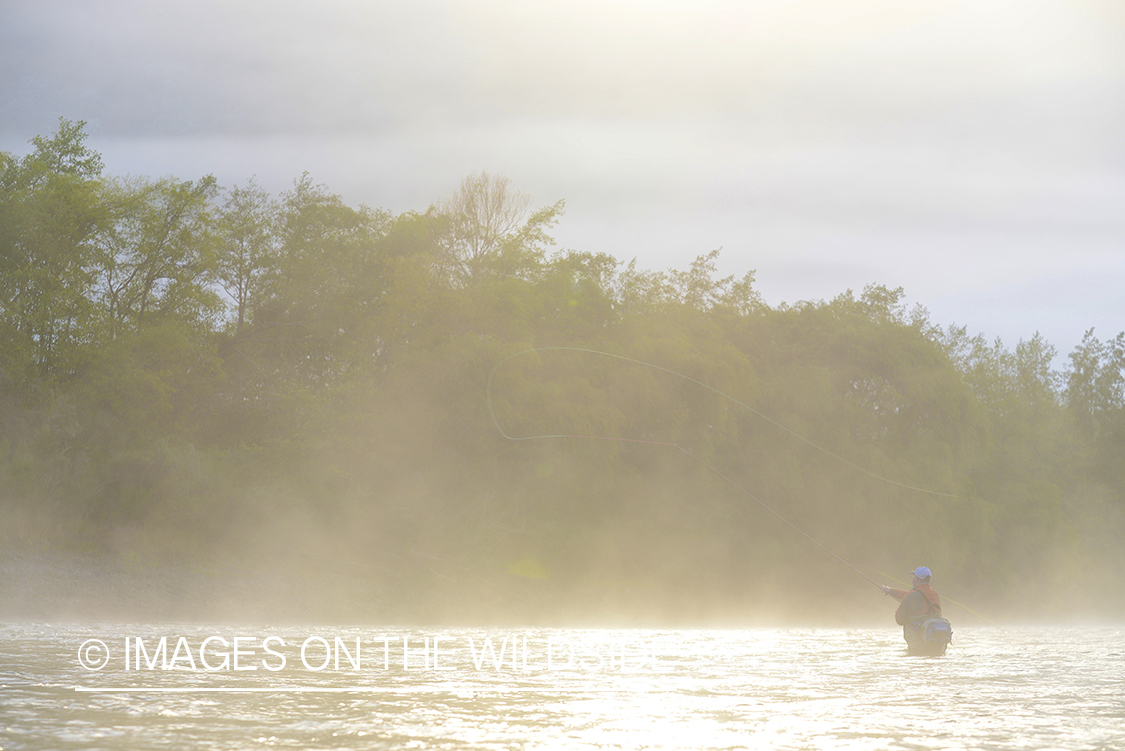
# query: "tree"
247, 247
1095, 381
640, 292
51, 208
158, 255
486, 232
698, 288
312, 302
1095, 396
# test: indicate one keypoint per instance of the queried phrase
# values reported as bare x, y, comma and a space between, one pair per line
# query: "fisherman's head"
921, 575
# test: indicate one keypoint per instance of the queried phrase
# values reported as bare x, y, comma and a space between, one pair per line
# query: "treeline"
208, 376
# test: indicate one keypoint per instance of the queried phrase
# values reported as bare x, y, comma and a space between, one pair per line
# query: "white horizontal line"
315, 690
217, 689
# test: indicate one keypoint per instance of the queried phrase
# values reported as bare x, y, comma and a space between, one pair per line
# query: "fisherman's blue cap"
922, 572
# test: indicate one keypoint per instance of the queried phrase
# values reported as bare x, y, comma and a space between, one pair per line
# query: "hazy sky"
971, 152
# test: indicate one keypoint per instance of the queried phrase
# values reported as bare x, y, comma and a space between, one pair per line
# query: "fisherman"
917, 603
925, 631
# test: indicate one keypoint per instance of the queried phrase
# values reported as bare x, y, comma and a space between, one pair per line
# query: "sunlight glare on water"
997, 688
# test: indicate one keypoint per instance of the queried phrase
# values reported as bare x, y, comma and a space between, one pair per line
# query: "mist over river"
168, 685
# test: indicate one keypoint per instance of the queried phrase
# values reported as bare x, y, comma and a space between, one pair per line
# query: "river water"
175, 686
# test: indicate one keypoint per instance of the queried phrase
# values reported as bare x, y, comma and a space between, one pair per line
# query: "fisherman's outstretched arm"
898, 594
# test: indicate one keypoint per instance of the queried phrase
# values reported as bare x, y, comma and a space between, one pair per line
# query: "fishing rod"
943, 597
748, 494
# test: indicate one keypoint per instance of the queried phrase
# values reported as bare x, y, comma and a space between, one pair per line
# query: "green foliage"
157, 258
187, 371
1095, 382
1095, 398
248, 249
51, 209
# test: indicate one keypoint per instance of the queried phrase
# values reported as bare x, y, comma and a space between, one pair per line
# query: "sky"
970, 152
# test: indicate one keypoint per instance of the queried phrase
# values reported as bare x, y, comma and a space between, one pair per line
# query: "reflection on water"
235, 687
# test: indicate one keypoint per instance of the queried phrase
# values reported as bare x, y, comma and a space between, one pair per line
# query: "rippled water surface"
997, 688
